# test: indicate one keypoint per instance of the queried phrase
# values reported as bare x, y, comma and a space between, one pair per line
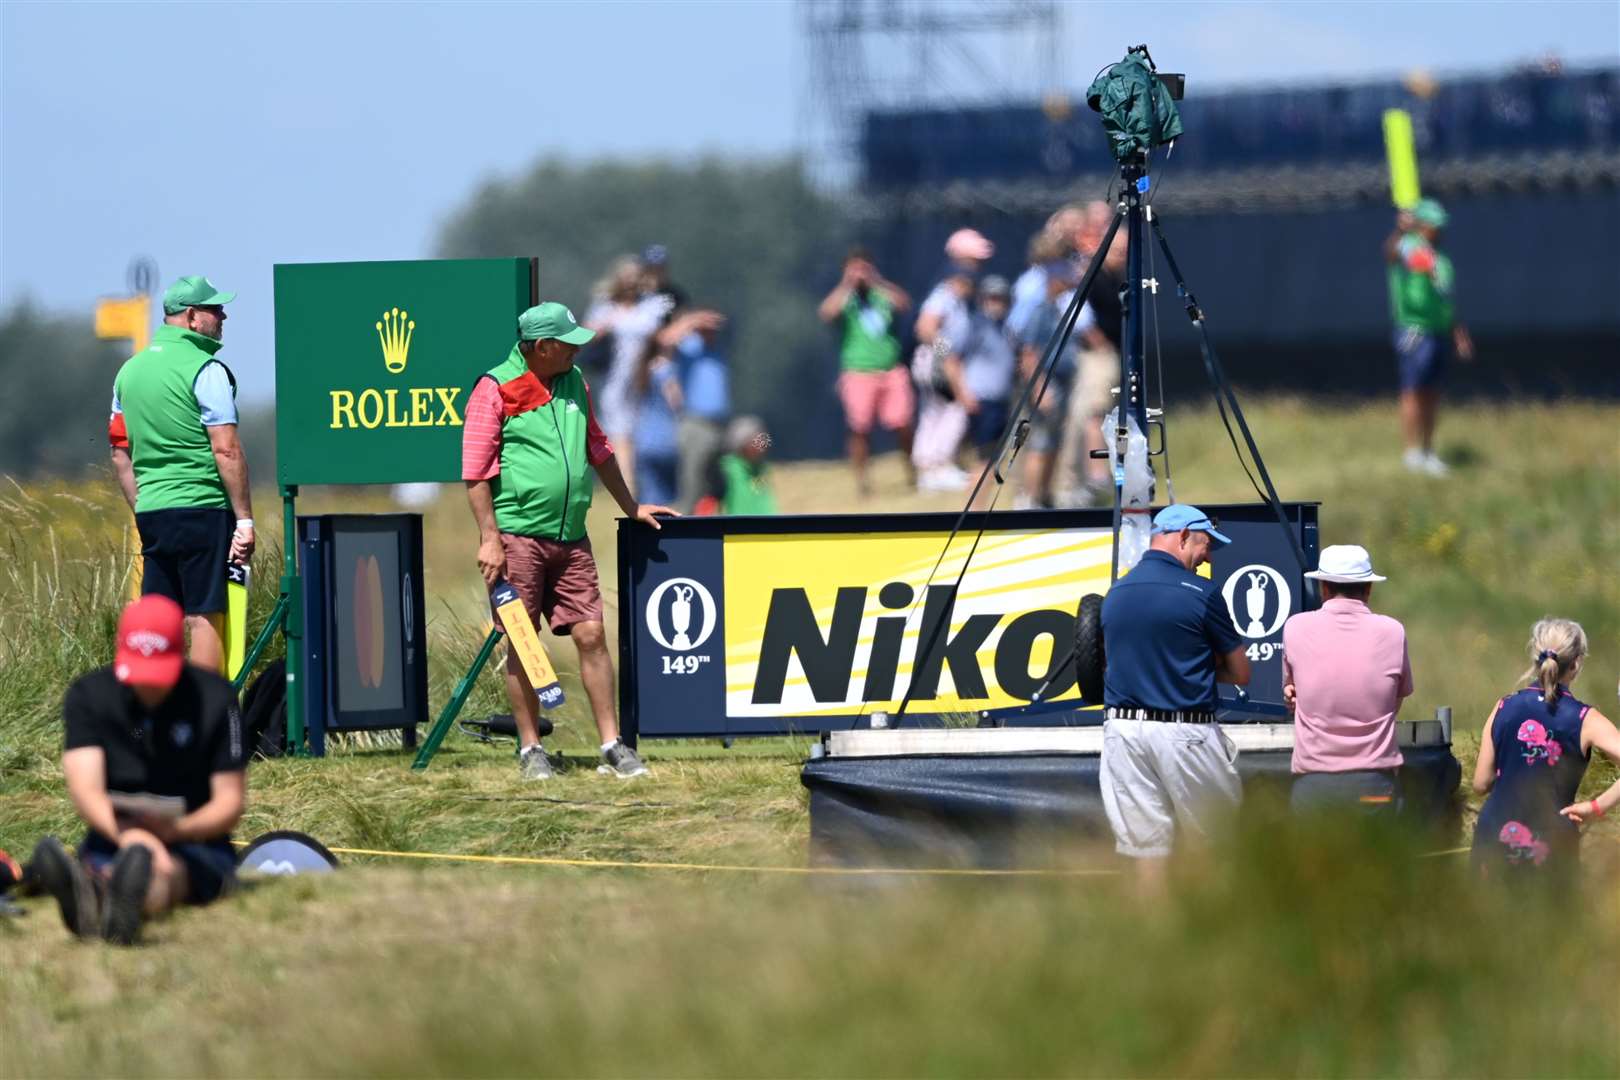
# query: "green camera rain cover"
1137, 110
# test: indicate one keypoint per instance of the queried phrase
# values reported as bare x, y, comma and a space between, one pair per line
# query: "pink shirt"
1350, 673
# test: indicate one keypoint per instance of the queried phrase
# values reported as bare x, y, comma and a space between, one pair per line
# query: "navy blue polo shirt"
1163, 626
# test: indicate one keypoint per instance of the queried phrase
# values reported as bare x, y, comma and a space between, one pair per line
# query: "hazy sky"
223, 138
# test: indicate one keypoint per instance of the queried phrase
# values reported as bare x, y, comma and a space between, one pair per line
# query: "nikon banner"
374, 362
755, 626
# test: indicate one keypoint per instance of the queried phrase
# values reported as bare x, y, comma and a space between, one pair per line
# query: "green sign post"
374, 363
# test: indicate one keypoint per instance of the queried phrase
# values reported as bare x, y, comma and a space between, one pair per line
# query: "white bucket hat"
1346, 564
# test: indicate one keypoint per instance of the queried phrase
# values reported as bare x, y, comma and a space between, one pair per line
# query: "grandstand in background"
1277, 202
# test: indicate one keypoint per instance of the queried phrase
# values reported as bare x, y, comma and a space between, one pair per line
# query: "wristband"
244, 523
1597, 811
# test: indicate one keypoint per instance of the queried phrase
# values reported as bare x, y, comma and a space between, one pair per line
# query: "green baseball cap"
193, 291
552, 320
1431, 213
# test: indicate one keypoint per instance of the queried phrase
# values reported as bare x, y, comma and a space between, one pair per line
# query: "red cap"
151, 642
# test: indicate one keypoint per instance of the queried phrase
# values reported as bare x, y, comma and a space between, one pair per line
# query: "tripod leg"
1224, 393
452, 708
1029, 398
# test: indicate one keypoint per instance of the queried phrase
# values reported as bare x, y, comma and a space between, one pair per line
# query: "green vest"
1420, 300
543, 488
747, 491
168, 444
869, 341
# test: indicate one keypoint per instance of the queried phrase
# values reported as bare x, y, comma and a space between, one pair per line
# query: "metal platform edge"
945, 742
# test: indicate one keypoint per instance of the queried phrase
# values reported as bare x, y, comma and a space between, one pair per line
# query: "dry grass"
1324, 956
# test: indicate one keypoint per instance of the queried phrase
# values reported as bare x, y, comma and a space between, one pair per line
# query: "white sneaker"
1434, 466
943, 478
1415, 460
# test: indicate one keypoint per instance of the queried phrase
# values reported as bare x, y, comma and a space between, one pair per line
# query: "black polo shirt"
173, 750
1162, 628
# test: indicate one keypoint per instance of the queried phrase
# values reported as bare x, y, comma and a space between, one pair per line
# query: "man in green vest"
1427, 332
528, 437
873, 385
180, 464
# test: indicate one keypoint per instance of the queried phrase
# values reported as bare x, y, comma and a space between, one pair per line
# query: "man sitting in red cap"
156, 766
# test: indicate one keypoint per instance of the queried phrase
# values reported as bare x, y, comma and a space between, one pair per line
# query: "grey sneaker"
62, 875
621, 761
533, 764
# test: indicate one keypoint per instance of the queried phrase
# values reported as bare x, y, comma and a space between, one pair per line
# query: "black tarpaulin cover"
973, 809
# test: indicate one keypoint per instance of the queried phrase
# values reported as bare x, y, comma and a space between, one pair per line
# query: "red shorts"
877, 397
557, 581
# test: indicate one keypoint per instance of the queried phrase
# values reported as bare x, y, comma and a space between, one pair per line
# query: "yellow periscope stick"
1403, 168
237, 577
531, 654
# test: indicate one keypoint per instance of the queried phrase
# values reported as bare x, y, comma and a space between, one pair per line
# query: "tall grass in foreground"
1316, 951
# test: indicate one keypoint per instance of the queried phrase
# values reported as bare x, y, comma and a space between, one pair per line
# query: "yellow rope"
618, 864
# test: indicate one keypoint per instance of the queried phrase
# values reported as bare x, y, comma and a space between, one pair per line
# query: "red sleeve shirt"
481, 432
597, 447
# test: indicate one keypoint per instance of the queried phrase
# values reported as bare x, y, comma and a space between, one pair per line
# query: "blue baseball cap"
1172, 519
655, 255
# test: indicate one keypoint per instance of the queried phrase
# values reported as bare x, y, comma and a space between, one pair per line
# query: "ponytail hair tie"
1546, 655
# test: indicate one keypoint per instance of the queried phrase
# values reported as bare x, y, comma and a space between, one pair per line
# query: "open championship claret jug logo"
1258, 599
681, 616
393, 407
674, 629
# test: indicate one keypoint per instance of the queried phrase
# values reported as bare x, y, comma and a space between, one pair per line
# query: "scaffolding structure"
863, 56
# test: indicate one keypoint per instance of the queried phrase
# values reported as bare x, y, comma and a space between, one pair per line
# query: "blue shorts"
210, 867
986, 426
1421, 357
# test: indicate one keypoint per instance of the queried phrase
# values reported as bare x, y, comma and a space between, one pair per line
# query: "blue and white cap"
1172, 519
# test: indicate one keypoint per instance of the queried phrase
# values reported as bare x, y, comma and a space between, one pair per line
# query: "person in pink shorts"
872, 384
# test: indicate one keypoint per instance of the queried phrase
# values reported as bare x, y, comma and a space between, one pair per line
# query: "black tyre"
1089, 660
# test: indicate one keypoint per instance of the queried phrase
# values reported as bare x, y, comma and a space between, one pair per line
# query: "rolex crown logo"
394, 331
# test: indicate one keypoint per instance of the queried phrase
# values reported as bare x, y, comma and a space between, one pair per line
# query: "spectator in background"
742, 469
873, 385
657, 395
1345, 674
1029, 291
941, 420
965, 250
655, 279
1532, 755
980, 365
1421, 281
1047, 419
1079, 479
705, 394
628, 317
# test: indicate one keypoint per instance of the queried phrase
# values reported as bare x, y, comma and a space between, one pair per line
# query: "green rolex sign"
374, 362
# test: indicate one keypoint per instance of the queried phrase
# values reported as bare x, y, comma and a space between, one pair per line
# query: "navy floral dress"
1539, 766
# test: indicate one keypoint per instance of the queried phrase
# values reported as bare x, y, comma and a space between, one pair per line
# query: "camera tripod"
1133, 210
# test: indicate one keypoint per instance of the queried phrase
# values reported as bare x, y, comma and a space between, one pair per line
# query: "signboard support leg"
271, 625
292, 623
452, 708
